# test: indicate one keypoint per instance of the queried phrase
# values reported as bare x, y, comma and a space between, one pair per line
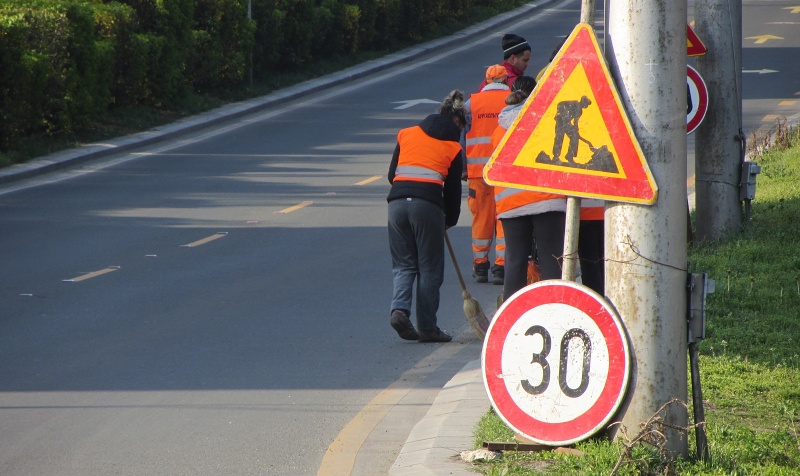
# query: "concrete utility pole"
646, 267
718, 145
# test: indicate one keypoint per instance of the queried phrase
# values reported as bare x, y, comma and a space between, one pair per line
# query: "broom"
472, 308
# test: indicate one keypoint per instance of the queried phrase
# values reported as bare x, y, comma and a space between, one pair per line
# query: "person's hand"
463, 176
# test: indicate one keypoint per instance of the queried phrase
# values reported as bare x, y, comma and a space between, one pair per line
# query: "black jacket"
440, 127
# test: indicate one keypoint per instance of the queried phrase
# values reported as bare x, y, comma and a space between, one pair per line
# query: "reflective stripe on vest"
485, 108
421, 174
424, 158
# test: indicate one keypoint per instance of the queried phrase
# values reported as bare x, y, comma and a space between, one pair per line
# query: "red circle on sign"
697, 114
610, 326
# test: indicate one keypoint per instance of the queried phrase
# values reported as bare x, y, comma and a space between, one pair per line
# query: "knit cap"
514, 44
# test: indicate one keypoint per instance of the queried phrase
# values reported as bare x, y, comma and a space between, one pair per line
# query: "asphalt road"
217, 304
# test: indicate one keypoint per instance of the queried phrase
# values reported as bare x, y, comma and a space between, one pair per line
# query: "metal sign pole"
569, 272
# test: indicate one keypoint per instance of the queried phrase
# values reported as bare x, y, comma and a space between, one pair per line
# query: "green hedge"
63, 63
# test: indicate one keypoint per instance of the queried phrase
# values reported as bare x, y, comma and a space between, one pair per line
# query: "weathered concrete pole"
717, 151
646, 267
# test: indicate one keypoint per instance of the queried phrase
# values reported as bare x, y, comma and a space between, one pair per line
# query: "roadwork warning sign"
572, 135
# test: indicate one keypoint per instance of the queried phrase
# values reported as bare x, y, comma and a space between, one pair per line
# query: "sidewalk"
434, 444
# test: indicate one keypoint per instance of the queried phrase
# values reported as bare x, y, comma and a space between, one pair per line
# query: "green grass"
749, 361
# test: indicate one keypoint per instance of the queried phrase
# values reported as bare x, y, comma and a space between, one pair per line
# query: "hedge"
64, 63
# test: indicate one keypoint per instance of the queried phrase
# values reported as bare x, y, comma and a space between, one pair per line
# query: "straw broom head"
475, 316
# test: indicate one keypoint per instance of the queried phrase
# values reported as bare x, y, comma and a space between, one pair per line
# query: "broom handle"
455, 263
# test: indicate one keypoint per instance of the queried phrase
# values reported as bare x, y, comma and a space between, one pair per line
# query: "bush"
64, 63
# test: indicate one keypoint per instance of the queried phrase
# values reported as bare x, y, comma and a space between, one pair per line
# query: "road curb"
434, 444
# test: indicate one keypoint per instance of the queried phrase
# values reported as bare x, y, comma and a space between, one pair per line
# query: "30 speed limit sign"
556, 362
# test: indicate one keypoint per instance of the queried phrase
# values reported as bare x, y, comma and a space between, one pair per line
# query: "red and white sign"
697, 97
556, 362
694, 47
572, 135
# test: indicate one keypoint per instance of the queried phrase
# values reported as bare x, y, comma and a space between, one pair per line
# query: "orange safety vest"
510, 198
485, 107
593, 209
424, 158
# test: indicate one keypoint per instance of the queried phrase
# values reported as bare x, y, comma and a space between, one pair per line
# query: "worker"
425, 199
484, 107
516, 56
529, 218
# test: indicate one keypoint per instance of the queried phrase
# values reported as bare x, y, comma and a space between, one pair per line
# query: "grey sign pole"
646, 250
569, 271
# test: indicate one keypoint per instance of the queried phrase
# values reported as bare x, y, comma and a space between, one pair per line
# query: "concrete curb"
434, 444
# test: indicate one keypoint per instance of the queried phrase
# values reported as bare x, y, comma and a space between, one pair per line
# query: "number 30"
540, 358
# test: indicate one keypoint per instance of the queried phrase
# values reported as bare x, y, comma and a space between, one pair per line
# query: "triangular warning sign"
694, 47
572, 135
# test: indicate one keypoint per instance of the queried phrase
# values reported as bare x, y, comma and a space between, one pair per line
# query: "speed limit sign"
556, 362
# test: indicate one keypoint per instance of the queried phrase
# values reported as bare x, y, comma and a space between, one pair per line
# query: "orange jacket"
485, 107
423, 158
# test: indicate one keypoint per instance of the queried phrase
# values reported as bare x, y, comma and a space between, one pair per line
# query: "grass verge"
749, 361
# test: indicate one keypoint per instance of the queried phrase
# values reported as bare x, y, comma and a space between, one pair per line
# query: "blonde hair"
455, 106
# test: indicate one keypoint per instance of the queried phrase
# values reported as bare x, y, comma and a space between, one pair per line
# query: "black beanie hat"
514, 44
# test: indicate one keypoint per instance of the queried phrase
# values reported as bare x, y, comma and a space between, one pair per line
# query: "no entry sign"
556, 362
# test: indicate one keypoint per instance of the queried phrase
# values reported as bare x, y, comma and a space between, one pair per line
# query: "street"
218, 303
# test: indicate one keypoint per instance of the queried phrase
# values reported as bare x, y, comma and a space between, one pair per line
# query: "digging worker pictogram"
567, 115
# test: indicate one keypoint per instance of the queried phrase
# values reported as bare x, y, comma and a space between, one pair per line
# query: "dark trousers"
416, 242
548, 231
591, 249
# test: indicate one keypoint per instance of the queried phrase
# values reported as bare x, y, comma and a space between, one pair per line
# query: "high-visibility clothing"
485, 225
507, 199
422, 157
485, 107
592, 209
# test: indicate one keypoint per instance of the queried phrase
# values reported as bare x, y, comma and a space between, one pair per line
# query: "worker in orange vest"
425, 199
529, 218
484, 107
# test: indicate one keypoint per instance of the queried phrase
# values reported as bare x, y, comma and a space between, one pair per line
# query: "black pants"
591, 249
548, 230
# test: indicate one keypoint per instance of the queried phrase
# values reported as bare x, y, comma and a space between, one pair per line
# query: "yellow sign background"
591, 124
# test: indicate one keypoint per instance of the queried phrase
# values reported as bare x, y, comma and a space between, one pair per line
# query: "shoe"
402, 324
498, 274
435, 336
480, 272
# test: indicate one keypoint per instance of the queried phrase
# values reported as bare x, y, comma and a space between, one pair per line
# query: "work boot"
498, 274
435, 336
480, 272
402, 324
